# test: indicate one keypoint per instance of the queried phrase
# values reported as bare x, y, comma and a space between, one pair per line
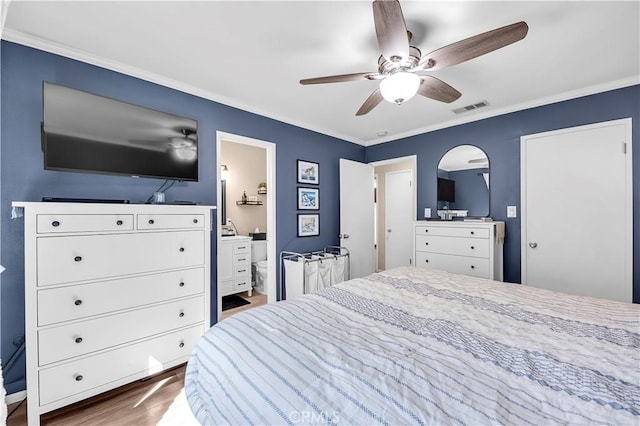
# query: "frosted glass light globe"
400, 87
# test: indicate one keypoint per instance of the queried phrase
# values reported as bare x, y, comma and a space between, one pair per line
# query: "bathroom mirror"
463, 183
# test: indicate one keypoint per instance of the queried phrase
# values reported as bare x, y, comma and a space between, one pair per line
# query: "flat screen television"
446, 190
83, 132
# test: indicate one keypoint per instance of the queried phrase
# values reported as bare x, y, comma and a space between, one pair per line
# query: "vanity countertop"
235, 237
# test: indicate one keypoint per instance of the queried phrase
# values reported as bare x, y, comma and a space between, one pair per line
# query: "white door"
577, 210
398, 196
356, 216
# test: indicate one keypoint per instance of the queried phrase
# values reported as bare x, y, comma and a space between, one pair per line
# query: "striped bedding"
413, 346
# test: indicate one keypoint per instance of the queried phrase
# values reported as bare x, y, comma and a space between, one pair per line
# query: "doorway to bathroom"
246, 223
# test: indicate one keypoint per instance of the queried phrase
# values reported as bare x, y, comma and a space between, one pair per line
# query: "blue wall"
499, 137
23, 176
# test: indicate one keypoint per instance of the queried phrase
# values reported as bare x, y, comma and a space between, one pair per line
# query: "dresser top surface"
456, 223
45, 207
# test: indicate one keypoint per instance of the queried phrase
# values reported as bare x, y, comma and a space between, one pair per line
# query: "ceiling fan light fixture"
400, 87
184, 154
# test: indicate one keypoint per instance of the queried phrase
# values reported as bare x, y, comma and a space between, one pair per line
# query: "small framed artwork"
308, 225
308, 172
308, 199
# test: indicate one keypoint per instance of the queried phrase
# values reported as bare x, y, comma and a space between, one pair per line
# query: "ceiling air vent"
471, 107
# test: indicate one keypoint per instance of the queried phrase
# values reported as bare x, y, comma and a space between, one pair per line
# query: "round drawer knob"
119, 222
78, 339
181, 314
181, 249
426, 260
426, 230
472, 247
78, 377
151, 221
77, 302
473, 233
181, 284
77, 258
55, 223
181, 344
195, 220
473, 267
426, 244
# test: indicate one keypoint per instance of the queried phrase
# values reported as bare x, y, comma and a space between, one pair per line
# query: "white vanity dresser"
471, 248
234, 265
113, 293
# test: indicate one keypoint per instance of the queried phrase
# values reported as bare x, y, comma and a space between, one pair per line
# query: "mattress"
414, 346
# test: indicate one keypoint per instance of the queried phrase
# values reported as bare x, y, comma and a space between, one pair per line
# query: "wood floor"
159, 400
256, 300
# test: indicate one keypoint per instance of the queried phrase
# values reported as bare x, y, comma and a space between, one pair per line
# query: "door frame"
628, 207
270, 148
414, 167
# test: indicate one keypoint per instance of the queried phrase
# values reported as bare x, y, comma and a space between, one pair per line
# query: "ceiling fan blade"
437, 89
391, 29
475, 46
339, 78
372, 101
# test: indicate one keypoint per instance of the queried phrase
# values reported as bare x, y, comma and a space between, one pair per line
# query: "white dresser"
234, 265
471, 248
113, 293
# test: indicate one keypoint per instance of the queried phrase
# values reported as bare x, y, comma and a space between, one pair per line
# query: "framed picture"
308, 199
308, 225
308, 172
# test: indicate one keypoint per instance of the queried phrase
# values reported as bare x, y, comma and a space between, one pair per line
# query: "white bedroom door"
398, 219
577, 210
357, 216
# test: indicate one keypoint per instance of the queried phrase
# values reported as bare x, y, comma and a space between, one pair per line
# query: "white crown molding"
586, 91
82, 56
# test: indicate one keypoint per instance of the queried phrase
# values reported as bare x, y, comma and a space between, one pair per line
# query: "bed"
418, 346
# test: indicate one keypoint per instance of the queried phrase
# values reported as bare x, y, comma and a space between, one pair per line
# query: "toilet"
259, 265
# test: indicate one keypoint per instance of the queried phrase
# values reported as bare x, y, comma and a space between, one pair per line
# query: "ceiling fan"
400, 63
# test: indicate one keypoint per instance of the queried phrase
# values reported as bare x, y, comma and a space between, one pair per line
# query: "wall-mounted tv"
446, 190
83, 132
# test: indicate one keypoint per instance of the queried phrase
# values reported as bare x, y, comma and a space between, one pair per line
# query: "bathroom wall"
247, 167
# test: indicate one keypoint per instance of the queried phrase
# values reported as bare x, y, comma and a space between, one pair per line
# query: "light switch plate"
512, 211
427, 212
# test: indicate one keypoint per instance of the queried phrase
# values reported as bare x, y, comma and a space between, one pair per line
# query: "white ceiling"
252, 55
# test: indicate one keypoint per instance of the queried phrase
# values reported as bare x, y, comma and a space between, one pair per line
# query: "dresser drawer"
49, 223
170, 221
79, 258
84, 300
241, 248
474, 247
457, 264
234, 286
81, 338
82, 375
241, 265
452, 231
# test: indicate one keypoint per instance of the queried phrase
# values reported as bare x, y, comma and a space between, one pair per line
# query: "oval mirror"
463, 183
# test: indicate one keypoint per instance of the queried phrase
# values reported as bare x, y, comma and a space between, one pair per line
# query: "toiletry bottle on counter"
244, 197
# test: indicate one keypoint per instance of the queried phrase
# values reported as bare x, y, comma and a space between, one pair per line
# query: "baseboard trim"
15, 397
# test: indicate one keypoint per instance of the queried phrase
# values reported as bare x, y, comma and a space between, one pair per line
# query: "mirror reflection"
463, 183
